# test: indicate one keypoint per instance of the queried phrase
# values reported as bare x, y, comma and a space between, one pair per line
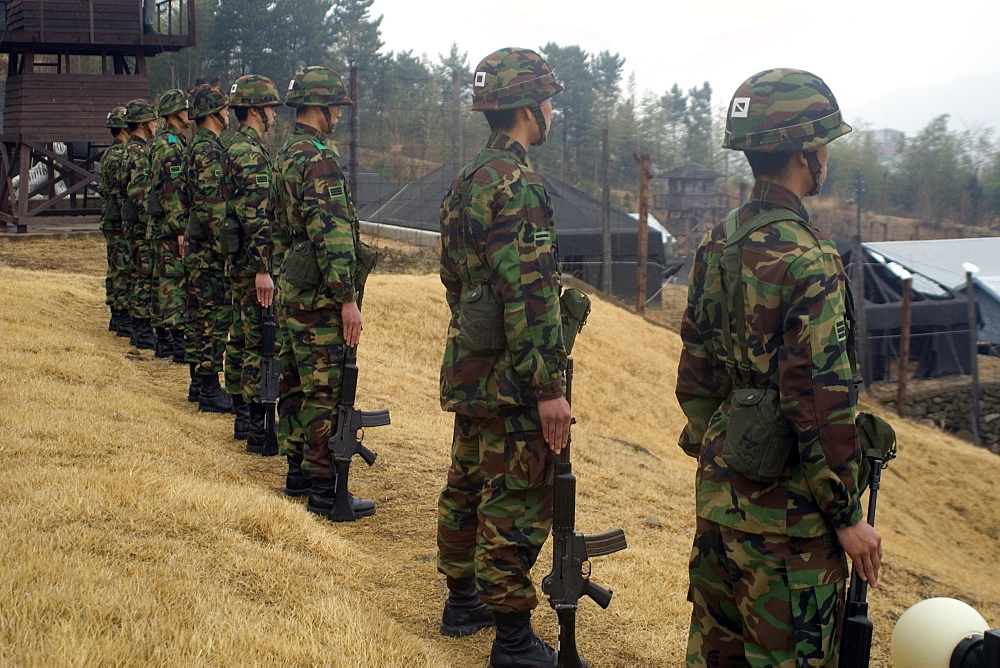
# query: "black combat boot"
124, 324
144, 337
194, 390
177, 339
213, 399
464, 613
255, 437
296, 482
164, 342
323, 495
270, 435
517, 645
241, 423
113, 322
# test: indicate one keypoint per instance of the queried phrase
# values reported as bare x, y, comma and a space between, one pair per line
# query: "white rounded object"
928, 632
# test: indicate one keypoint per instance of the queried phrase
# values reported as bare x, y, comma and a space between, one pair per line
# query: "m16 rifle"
571, 550
267, 388
344, 443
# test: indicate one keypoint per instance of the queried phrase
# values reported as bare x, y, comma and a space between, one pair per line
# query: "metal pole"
904, 345
859, 284
642, 245
355, 131
456, 119
973, 357
606, 283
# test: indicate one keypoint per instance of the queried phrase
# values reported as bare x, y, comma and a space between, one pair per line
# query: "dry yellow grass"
136, 532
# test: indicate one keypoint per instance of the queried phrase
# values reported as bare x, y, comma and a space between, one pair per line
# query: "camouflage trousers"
114, 281
243, 351
209, 315
169, 275
141, 293
764, 600
311, 359
495, 511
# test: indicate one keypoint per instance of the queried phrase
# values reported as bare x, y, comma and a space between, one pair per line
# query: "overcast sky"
863, 50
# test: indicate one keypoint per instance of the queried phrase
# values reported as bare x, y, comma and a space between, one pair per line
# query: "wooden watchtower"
687, 196
69, 63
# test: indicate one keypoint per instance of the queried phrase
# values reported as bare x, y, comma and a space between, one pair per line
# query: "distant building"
687, 196
888, 146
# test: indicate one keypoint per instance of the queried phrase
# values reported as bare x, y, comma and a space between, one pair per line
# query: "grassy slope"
137, 532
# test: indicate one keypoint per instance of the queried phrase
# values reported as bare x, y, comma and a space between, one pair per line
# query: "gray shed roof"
942, 259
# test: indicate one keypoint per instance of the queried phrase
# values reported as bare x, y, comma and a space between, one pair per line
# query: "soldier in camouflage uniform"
504, 365
209, 313
134, 190
168, 213
767, 567
111, 223
315, 235
246, 176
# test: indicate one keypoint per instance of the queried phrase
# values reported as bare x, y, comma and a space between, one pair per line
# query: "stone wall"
945, 402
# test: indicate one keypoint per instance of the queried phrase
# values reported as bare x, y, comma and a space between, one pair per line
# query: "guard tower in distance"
686, 197
69, 63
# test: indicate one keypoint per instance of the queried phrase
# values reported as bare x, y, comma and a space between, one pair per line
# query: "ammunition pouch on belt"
230, 235
759, 438
301, 268
129, 213
195, 230
153, 206
574, 308
367, 259
112, 210
480, 321
878, 441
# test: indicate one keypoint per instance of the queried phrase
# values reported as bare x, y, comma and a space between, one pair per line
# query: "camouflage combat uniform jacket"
167, 166
108, 180
203, 182
311, 204
496, 232
796, 305
246, 178
134, 184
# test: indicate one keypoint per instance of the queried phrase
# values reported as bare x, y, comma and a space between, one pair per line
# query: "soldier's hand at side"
556, 416
180, 245
351, 315
864, 545
265, 289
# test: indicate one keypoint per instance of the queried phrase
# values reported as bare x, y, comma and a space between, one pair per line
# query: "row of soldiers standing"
202, 238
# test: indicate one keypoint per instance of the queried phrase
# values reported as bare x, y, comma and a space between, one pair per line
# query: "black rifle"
571, 550
344, 443
270, 371
856, 636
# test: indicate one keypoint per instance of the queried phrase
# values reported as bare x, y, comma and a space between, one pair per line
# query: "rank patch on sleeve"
262, 181
543, 235
337, 190
841, 330
175, 170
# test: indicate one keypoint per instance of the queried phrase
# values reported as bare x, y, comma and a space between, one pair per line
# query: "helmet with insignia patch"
206, 100
510, 78
171, 102
116, 119
783, 111
253, 90
317, 86
139, 111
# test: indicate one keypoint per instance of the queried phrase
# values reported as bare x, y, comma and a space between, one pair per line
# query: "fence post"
355, 132
606, 260
642, 236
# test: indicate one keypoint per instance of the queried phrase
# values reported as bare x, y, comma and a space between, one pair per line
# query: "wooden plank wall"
66, 107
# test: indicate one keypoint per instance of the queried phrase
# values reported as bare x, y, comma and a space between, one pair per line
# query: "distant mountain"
972, 102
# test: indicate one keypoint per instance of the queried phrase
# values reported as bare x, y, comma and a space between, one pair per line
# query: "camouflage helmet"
206, 100
139, 111
116, 119
512, 78
317, 87
171, 102
253, 90
783, 111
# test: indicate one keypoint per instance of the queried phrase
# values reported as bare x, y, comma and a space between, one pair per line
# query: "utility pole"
456, 118
642, 238
355, 132
606, 213
970, 270
858, 280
